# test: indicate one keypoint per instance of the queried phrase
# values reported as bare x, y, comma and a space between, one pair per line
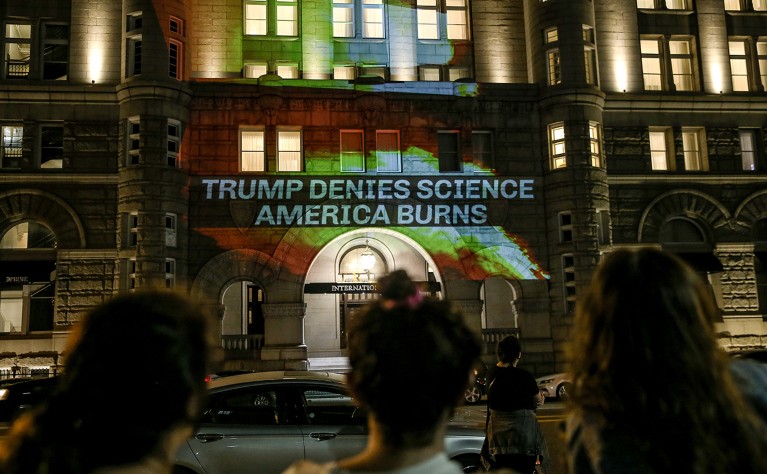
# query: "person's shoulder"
305, 466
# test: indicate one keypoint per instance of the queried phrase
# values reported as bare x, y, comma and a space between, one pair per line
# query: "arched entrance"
242, 322
341, 279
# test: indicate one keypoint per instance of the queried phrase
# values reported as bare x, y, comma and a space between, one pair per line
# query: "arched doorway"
499, 309
242, 322
347, 284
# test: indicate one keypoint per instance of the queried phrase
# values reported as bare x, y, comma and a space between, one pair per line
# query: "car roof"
277, 376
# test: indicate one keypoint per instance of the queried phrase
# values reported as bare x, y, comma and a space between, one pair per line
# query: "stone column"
284, 335
472, 313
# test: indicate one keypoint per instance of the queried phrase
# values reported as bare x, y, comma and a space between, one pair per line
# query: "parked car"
17, 396
475, 393
554, 386
265, 421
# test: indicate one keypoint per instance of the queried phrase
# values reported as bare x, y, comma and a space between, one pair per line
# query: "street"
551, 416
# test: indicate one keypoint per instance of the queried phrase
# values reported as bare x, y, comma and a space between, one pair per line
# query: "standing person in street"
405, 340
132, 389
514, 437
652, 390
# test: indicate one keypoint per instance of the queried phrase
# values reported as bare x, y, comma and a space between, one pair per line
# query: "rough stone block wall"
738, 282
83, 280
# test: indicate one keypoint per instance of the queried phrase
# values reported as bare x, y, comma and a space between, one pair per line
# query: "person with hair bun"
405, 340
131, 392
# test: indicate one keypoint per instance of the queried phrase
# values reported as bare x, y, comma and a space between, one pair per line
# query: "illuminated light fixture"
95, 64
367, 259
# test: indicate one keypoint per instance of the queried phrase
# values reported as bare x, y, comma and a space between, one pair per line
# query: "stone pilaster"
472, 313
284, 334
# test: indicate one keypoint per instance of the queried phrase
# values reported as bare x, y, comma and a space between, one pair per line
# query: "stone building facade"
273, 157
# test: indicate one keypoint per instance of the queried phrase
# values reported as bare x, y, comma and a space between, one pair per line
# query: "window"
677, 5
51, 146
254, 70
379, 71
565, 227
681, 59
134, 23
134, 141
426, 12
28, 235
449, 152
287, 70
282, 14
660, 153
18, 47
352, 151
27, 308
133, 229
748, 149
739, 65
482, 150
663, 4
429, 73
387, 151
455, 73
745, 5
553, 71
568, 277
442, 19
55, 51
170, 230
132, 270
344, 72
343, 18
595, 144
693, 143
11, 151
603, 226
557, 145
176, 25
170, 273
327, 406
252, 151
372, 19
255, 17
175, 59
248, 406
761, 53
289, 150
174, 142
589, 55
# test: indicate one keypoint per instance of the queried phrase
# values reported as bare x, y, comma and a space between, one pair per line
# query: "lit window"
482, 150
133, 229
557, 145
352, 151
589, 55
174, 142
739, 65
387, 151
551, 35
287, 17
372, 19
287, 71
745, 5
255, 17
379, 71
651, 64
748, 149
595, 144
663, 4
553, 67
759, 5
565, 227
170, 230
455, 73
170, 273
449, 151
457, 22
568, 277
693, 143
254, 70
18, 50
680, 52
51, 146
28, 235
427, 19
646, 4
343, 18
134, 141
175, 59
732, 5
429, 73
660, 156
289, 150
252, 156
761, 52
677, 5
344, 72
10, 152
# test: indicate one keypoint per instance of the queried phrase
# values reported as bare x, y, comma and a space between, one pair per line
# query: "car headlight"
545, 381
3, 393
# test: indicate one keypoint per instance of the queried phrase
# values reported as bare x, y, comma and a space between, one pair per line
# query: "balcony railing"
242, 342
491, 336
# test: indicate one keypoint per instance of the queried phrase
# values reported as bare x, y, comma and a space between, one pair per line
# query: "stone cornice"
284, 310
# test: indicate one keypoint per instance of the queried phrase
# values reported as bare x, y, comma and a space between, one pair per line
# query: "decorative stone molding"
284, 310
270, 105
681, 203
370, 106
468, 307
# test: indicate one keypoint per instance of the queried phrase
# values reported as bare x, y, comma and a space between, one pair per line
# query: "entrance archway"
329, 313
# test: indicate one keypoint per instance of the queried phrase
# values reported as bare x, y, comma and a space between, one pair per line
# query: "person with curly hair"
653, 392
131, 392
405, 340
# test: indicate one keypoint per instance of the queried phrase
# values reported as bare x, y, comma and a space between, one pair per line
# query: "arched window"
28, 235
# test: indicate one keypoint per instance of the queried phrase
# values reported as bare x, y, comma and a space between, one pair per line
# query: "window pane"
747, 150
344, 72
253, 71
658, 154
651, 74
649, 46
429, 74
427, 23
682, 72
552, 35
482, 149
372, 19
387, 151
253, 151
649, 4
352, 157
692, 154
255, 18
287, 16
52, 147
676, 4
760, 5
11, 310
679, 47
448, 152
455, 73
289, 150
456, 24
739, 75
287, 71
553, 67
732, 5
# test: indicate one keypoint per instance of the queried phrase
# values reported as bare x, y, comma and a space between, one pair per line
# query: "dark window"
251, 406
447, 143
330, 407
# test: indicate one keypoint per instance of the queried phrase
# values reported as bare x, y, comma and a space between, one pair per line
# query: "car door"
247, 430
333, 427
